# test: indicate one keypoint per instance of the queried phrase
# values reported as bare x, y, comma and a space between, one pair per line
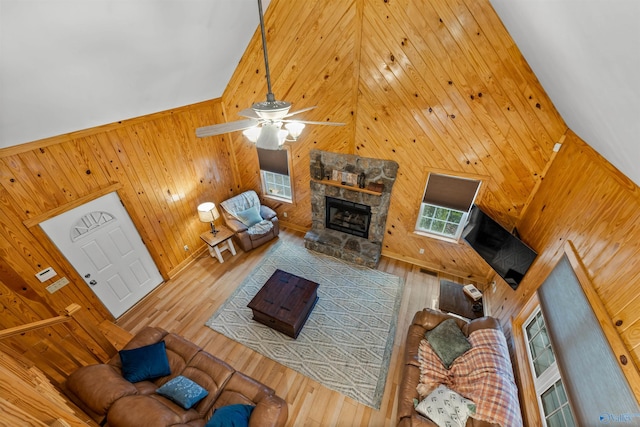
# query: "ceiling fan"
264, 120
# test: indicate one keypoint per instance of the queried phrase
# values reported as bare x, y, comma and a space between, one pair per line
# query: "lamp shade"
208, 212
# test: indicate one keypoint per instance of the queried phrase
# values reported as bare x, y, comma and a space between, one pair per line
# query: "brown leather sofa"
249, 237
423, 321
104, 394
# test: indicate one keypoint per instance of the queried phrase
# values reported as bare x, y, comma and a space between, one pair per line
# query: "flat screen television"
509, 256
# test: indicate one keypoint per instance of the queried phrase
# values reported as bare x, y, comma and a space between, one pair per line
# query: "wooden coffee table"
284, 302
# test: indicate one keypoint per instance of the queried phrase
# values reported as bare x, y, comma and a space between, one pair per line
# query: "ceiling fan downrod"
270, 96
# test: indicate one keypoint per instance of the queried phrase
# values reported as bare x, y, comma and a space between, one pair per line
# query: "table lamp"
209, 213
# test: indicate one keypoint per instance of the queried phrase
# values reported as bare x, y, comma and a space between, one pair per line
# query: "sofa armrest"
98, 387
271, 411
266, 212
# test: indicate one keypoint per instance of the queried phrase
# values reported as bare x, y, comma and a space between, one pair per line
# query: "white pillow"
446, 408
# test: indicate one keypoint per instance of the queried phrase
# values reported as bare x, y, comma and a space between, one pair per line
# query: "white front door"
101, 242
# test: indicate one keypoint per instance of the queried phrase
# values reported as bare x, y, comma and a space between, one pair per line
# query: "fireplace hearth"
348, 217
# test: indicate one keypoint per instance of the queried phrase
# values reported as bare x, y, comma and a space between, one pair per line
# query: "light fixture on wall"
209, 213
271, 136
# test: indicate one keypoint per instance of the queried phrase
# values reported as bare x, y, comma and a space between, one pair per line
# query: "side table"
219, 242
454, 300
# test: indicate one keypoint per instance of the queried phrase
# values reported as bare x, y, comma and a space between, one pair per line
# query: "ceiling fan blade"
250, 113
221, 128
301, 111
306, 122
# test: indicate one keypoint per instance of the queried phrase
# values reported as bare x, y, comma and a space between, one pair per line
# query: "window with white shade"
445, 205
274, 173
550, 391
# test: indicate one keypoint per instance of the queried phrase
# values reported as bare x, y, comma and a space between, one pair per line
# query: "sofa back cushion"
429, 319
146, 336
179, 351
212, 374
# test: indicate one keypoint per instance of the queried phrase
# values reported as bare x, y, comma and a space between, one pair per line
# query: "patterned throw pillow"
448, 341
183, 391
446, 408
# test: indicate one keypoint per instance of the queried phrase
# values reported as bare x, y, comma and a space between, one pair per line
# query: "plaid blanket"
483, 375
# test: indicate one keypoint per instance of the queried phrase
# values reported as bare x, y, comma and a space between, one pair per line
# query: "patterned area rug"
347, 341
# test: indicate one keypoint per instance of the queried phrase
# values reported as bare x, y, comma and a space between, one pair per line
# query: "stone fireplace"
348, 221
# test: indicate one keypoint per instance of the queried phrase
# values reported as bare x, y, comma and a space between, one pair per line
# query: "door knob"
93, 283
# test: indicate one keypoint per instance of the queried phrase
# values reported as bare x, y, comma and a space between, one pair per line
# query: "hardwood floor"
184, 303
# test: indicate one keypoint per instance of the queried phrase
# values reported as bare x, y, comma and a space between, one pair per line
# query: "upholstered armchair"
253, 224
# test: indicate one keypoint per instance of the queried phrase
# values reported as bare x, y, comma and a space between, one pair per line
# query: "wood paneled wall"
161, 172
586, 201
434, 85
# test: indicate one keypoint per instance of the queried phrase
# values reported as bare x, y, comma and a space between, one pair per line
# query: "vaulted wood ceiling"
72, 65
437, 86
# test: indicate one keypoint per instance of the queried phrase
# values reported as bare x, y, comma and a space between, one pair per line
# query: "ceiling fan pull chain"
270, 96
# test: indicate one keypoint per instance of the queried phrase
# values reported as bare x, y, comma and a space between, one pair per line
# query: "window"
274, 173
552, 399
446, 204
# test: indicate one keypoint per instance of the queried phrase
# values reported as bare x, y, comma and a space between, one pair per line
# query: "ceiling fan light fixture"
295, 129
263, 121
271, 110
271, 136
253, 133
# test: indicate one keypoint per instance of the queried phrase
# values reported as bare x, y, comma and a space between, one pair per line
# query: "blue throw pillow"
231, 416
145, 363
183, 391
250, 217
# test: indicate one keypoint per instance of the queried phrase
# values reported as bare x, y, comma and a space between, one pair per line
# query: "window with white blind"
550, 391
274, 173
445, 205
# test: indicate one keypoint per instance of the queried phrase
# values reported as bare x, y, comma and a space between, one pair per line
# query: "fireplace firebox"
348, 217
